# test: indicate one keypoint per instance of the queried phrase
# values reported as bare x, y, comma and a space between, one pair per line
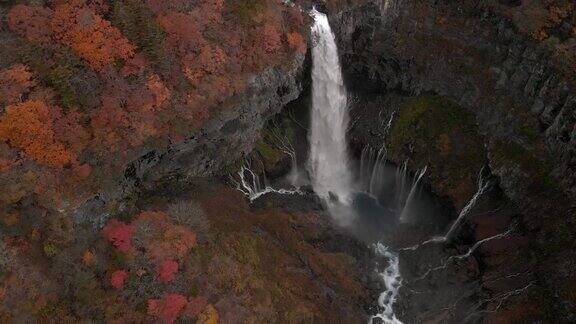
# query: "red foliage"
167, 270
195, 306
212, 10
32, 22
68, 130
15, 81
183, 32
82, 171
119, 235
210, 61
296, 18
28, 126
172, 242
117, 279
168, 308
270, 38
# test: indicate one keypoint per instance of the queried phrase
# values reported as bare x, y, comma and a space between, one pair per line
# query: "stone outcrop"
225, 138
522, 100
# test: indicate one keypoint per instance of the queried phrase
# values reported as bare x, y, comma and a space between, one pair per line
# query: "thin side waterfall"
483, 185
405, 214
253, 187
328, 159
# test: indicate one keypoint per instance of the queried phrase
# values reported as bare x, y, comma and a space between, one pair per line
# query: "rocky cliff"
470, 84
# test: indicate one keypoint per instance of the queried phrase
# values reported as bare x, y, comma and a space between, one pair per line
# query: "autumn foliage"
117, 278
89, 85
28, 126
73, 24
167, 270
119, 235
15, 82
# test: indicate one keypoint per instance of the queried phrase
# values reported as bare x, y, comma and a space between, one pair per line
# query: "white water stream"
328, 160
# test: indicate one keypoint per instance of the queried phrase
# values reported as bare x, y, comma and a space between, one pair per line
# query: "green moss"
429, 117
436, 132
267, 152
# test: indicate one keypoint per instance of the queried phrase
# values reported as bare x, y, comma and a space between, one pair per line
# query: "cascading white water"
328, 160
392, 280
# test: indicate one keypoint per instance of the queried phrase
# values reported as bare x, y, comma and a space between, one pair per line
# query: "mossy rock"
269, 154
436, 132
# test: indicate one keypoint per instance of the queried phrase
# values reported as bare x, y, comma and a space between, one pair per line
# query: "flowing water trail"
254, 188
392, 281
328, 159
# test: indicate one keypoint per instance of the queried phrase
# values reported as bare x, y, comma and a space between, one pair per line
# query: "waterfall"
328, 160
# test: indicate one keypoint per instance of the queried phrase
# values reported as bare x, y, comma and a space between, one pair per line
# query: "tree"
29, 127
31, 22
167, 270
270, 38
119, 235
168, 308
296, 42
117, 278
89, 35
15, 82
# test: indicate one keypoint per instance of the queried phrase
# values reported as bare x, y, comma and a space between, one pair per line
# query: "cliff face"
435, 64
226, 137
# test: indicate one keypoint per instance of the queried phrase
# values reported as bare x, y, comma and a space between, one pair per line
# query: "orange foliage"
15, 82
296, 42
74, 24
28, 126
157, 92
88, 258
90, 36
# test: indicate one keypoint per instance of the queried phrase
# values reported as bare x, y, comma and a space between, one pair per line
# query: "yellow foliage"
208, 316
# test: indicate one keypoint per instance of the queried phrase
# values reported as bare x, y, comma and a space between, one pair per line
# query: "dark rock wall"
224, 140
523, 102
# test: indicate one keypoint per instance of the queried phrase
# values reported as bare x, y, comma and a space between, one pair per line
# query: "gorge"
252, 161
